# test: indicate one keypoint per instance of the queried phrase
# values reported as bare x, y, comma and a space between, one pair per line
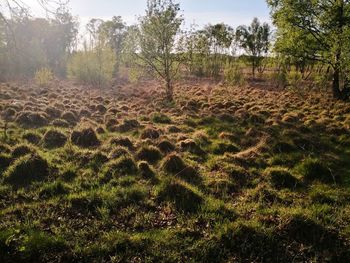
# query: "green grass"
222, 186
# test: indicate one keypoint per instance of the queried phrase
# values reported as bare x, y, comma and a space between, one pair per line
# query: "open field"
223, 174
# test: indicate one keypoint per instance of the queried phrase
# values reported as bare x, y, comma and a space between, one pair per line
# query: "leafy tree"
255, 40
28, 44
113, 32
154, 42
316, 30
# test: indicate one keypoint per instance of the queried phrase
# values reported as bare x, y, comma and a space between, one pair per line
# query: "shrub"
54, 139
85, 138
294, 79
93, 67
233, 75
43, 77
27, 169
150, 154
314, 170
281, 177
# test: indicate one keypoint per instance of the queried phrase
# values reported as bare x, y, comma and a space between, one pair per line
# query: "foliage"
153, 42
93, 67
255, 40
43, 77
318, 31
29, 44
233, 74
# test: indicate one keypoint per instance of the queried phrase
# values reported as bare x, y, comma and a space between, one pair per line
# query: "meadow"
222, 174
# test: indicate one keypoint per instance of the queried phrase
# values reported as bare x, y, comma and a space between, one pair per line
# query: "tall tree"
114, 31
318, 30
155, 42
255, 40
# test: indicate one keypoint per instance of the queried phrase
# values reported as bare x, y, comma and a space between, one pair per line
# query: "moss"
25, 170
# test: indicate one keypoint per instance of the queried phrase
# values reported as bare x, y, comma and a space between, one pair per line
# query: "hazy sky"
232, 12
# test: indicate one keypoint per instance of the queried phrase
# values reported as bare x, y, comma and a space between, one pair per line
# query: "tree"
255, 40
113, 32
154, 42
316, 30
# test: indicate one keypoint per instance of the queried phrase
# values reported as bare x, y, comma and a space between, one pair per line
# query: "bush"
27, 169
233, 75
294, 79
43, 77
281, 177
93, 67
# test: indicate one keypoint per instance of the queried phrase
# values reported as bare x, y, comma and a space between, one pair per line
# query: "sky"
200, 12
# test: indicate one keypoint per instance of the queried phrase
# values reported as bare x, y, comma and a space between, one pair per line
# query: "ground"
223, 174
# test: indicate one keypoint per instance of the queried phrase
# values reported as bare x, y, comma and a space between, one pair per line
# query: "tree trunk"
169, 90
336, 84
253, 67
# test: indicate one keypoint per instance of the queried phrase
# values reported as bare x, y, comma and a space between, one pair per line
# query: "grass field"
225, 174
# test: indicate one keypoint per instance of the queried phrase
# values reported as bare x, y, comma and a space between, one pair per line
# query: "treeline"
309, 46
